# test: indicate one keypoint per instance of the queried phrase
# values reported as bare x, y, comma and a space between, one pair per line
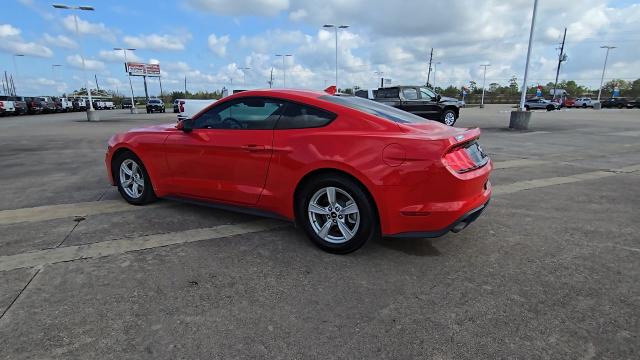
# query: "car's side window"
410, 93
251, 113
297, 116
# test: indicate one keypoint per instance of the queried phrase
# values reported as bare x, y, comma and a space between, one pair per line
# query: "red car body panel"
401, 165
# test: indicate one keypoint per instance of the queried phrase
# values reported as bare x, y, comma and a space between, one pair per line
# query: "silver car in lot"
540, 103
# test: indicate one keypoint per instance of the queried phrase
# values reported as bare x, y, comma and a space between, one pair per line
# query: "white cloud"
88, 28
93, 65
158, 42
218, 45
60, 41
244, 7
117, 56
298, 15
7, 30
154, 61
11, 42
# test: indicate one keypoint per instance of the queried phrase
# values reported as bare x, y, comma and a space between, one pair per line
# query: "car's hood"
448, 99
155, 128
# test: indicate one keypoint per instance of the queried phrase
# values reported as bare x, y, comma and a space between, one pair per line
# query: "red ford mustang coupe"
345, 169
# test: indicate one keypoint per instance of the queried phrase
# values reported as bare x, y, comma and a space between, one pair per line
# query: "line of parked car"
581, 102
20, 105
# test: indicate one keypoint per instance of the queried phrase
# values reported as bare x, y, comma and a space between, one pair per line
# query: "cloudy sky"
211, 41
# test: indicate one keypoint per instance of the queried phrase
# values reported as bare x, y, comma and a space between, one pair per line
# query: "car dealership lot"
551, 269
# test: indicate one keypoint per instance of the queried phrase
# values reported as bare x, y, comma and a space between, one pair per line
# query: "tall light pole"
15, 69
91, 113
484, 78
284, 70
133, 102
604, 68
435, 68
381, 74
526, 67
336, 27
244, 75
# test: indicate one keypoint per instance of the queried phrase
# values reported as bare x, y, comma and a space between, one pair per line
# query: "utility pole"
604, 68
381, 74
562, 57
185, 85
284, 69
271, 78
97, 86
429, 73
484, 78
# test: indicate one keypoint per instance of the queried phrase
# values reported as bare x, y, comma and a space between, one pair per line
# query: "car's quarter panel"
219, 164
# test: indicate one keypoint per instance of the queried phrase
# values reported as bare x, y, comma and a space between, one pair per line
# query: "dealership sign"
141, 69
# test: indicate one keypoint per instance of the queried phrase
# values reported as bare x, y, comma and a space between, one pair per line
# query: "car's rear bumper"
457, 226
444, 202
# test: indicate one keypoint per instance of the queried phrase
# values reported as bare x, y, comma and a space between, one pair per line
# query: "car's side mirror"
438, 98
185, 125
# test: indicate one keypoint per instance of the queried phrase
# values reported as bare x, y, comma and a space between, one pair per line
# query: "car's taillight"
466, 157
181, 106
1, 105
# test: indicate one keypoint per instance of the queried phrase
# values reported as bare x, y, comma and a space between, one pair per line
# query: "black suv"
618, 102
155, 105
421, 101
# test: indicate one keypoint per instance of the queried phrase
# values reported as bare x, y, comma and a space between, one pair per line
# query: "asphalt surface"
550, 270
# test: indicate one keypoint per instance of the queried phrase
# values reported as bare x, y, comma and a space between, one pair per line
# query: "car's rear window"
375, 108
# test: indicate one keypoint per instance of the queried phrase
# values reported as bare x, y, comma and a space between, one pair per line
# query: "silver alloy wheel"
449, 118
334, 215
131, 178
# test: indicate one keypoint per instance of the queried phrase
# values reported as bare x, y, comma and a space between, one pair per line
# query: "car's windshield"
154, 101
374, 108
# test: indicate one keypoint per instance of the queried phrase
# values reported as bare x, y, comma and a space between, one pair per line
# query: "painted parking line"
121, 246
51, 212
626, 133
539, 183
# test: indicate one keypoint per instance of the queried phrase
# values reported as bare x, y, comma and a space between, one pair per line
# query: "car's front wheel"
132, 179
336, 213
449, 117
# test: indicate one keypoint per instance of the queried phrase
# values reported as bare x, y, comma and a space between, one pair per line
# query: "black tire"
147, 196
148, 111
550, 107
368, 227
620, 106
527, 108
584, 105
446, 117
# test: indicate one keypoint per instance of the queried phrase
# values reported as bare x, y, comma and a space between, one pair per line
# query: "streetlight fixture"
244, 75
604, 68
133, 102
91, 113
484, 78
336, 27
526, 67
284, 70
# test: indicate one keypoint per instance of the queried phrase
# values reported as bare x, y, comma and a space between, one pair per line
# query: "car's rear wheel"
550, 107
132, 179
336, 213
526, 107
449, 117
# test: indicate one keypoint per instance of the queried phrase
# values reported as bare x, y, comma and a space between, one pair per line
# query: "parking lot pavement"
551, 269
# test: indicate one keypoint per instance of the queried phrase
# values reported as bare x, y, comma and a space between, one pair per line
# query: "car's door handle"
254, 147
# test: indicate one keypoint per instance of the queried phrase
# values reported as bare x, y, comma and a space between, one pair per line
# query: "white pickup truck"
189, 107
7, 107
102, 105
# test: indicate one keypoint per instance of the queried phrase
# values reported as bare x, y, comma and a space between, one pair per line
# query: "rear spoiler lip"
463, 138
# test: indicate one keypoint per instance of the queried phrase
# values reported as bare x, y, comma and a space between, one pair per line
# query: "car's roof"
311, 94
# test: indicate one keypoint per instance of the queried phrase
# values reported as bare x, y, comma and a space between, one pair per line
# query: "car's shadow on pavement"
414, 247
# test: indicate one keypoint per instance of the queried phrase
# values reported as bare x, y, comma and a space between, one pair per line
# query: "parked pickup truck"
619, 102
48, 104
63, 104
189, 107
20, 103
421, 101
104, 105
7, 107
34, 105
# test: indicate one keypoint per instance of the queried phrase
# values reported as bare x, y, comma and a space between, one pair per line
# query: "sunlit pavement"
550, 270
